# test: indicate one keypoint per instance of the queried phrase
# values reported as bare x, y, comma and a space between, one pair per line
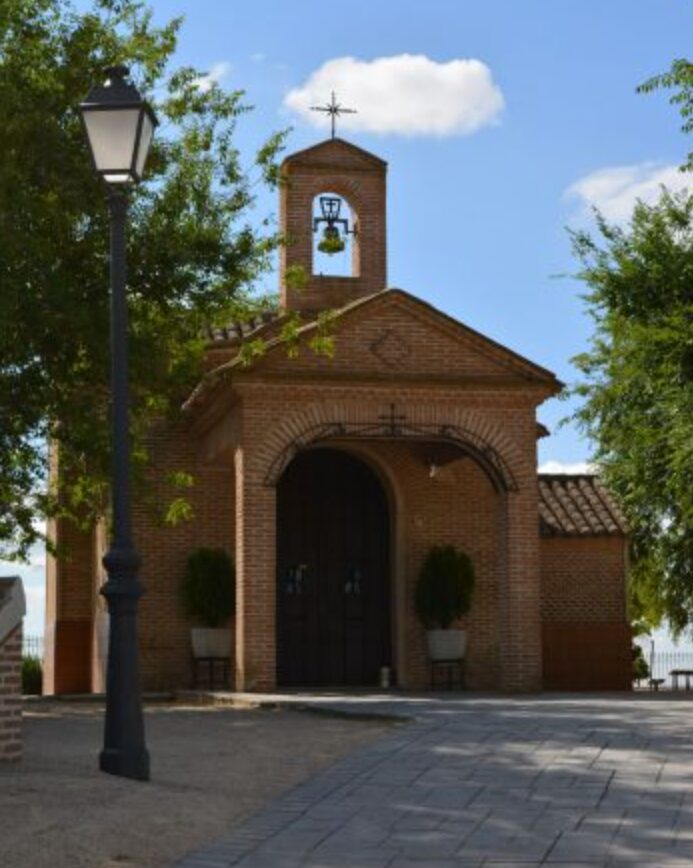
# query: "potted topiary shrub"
208, 594
443, 594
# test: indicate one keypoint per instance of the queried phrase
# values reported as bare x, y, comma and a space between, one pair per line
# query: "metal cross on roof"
334, 110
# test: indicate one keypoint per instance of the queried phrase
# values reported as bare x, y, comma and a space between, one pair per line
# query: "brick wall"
459, 507
69, 604
583, 579
586, 634
395, 337
164, 631
77, 622
10, 697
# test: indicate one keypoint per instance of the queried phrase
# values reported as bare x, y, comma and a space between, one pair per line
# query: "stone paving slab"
475, 781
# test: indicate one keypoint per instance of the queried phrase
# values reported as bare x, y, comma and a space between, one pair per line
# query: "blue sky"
501, 122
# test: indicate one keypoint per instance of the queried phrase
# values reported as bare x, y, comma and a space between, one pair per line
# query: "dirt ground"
211, 767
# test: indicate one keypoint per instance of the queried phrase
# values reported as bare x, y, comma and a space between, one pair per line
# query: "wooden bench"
681, 673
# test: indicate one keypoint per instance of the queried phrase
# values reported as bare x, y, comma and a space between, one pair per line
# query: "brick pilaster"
520, 593
10, 697
255, 577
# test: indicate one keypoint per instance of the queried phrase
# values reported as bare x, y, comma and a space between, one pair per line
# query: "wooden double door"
333, 587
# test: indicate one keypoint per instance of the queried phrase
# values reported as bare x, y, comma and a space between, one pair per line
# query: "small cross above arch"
392, 420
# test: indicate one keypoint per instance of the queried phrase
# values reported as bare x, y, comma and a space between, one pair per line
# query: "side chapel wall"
69, 610
585, 631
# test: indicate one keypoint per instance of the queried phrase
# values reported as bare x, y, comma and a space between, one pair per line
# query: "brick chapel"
337, 473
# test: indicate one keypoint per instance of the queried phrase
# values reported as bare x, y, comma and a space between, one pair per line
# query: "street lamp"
119, 127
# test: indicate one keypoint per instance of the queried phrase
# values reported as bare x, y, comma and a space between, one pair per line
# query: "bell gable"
355, 180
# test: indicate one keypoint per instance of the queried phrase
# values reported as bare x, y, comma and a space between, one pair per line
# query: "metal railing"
663, 663
32, 646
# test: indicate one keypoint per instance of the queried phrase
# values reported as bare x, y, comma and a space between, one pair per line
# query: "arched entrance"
333, 584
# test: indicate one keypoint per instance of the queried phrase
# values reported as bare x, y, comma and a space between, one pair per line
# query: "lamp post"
119, 127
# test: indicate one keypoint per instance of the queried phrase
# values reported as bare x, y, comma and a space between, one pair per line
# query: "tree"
679, 78
638, 392
194, 256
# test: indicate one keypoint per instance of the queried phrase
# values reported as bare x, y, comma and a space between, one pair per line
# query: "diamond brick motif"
391, 349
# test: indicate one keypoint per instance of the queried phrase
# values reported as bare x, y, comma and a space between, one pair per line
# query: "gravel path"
210, 769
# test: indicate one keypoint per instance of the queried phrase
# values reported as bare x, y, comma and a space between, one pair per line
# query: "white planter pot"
446, 644
211, 641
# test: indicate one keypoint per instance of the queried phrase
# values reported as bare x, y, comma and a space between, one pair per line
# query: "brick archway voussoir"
301, 429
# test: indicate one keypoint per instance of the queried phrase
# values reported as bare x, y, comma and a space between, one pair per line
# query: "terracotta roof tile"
577, 505
237, 331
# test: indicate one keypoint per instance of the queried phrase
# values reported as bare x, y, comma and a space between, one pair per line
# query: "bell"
331, 242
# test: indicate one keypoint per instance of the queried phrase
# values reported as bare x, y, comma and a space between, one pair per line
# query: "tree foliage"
678, 78
638, 391
194, 256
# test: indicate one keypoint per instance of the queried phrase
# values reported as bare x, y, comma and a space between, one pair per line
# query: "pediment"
336, 154
394, 335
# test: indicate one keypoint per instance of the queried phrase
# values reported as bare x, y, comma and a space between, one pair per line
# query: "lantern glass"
113, 138
146, 136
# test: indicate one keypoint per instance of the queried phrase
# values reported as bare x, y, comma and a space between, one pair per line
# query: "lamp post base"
134, 765
124, 749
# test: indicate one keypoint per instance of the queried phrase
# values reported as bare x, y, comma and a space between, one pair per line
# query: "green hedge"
32, 676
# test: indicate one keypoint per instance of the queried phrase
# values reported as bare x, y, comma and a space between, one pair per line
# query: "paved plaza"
474, 781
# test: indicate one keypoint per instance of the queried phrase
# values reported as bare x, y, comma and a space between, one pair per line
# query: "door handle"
352, 586
294, 580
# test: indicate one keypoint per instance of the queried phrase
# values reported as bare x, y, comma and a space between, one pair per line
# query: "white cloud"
214, 76
614, 190
258, 57
409, 94
567, 467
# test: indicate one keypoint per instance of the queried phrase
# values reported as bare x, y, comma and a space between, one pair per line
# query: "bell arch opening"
335, 236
